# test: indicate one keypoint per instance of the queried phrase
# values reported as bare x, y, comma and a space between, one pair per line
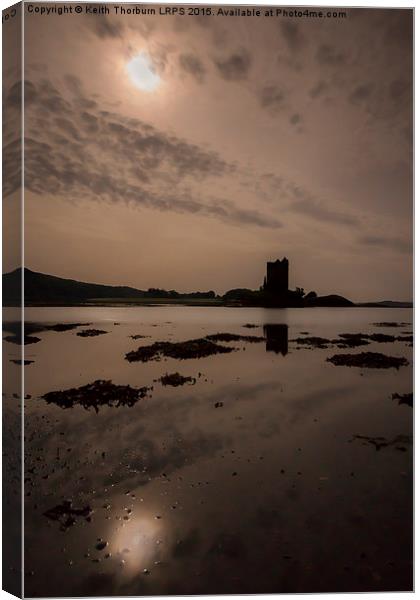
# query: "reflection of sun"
136, 542
142, 73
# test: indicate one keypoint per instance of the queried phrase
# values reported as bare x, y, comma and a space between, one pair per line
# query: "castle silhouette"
276, 281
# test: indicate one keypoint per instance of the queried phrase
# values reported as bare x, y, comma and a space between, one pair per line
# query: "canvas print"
207, 289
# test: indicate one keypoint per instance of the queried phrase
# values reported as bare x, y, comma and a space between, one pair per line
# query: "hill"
332, 300
386, 304
43, 289
40, 288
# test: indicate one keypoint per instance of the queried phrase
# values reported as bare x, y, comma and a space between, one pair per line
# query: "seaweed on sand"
66, 515
399, 441
96, 394
176, 379
198, 348
346, 340
405, 338
404, 398
90, 332
27, 339
381, 338
19, 361
15, 327
359, 339
369, 360
65, 326
315, 342
233, 337
351, 340
391, 324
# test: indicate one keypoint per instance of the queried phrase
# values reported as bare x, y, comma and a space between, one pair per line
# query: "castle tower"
277, 279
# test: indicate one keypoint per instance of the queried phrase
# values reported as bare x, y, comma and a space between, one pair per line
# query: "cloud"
93, 154
234, 67
361, 93
193, 66
327, 55
400, 90
12, 144
320, 212
292, 197
392, 243
11, 167
272, 98
296, 119
106, 28
292, 35
305, 203
318, 89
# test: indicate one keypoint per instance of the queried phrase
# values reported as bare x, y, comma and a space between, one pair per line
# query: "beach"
265, 468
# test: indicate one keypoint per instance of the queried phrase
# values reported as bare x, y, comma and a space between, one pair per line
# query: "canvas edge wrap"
12, 210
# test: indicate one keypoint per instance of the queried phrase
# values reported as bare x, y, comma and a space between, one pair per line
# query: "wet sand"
263, 469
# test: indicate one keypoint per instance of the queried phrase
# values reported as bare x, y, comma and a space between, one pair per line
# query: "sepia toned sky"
263, 137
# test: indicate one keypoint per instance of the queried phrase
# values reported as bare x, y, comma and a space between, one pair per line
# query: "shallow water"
269, 492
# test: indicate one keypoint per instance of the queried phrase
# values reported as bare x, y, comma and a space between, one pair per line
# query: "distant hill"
332, 300
48, 289
386, 304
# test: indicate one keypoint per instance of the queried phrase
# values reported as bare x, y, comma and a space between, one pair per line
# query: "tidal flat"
261, 468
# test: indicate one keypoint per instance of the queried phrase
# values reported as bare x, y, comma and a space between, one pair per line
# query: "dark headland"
47, 290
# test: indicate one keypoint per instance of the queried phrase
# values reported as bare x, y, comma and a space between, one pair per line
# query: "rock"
176, 379
96, 394
66, 515
198, 348
404, 398
233, 337
101, 545
90, 332
368, 360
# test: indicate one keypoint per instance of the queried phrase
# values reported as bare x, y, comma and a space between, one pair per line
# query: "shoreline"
195, 304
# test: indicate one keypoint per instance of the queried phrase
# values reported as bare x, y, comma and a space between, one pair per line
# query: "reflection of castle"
277, 280
277, 338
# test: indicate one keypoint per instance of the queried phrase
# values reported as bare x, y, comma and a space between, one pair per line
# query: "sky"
183, 152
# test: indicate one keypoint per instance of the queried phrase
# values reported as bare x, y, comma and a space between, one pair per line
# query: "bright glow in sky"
142, 73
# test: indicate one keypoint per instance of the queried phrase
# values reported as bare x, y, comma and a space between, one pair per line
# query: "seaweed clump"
399, 441
199, 348
19, 361
66, 515
314, 342
368, 360
96, 394
90, 332
176, 379
17, 339
351, 340
15, 327
65, 326
404, 398
391, 324
233, 337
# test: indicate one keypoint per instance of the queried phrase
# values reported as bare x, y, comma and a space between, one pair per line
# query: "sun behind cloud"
142, 73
